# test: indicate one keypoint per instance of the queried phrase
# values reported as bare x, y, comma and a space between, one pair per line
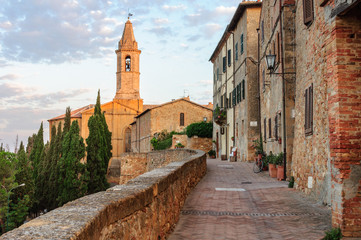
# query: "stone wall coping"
84, 218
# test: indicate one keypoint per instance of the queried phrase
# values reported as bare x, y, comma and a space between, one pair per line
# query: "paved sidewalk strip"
232, 202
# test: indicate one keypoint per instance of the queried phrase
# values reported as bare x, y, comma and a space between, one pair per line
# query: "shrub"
333, 234
200, 129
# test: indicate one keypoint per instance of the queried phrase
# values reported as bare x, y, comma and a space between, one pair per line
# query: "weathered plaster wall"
147, 207
196, 143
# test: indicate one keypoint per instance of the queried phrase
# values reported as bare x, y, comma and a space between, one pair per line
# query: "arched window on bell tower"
127, 64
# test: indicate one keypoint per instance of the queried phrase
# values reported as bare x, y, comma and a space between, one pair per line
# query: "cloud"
9, 77
194, 38
203, 16
161, 31
173, 8
57, 31
160, 21
19, 95
210, 29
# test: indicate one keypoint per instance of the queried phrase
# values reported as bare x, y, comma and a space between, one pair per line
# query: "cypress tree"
67, 121
98, 150
36, 156
72, 173
54, 171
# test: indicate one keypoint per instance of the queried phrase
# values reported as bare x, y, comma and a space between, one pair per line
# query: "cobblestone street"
232, 202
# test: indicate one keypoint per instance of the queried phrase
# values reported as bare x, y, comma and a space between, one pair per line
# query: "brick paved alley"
232, 202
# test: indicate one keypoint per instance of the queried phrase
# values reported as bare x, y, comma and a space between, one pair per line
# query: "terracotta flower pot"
280, 173
272, 170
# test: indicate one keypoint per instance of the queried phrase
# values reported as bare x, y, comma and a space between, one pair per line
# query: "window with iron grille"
229, 58
181, 119
309, 110
224, 64
308, 11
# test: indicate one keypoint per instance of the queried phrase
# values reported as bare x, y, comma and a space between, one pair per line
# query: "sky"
58, 53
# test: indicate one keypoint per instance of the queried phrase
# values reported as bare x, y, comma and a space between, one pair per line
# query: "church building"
127, 104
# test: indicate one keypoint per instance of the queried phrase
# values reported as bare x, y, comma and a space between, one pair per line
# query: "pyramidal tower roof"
128, 39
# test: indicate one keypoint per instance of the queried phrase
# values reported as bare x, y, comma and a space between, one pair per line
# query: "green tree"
67, 121
8, 164
98, 150
54, 171
36, 156
72, 180
22, 198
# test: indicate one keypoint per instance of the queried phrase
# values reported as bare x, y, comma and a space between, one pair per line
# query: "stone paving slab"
232, 202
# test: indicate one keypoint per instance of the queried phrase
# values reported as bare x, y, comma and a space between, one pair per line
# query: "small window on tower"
127, 64
181, 119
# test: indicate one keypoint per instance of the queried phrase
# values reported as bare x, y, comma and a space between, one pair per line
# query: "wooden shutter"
276, 127
234, 94
278, 47
236, 51
242, 45
309, 110
230, 100
243, 89
270, 127
224, 64
307, 11
181, 120
229, 58
238, 93
265, 129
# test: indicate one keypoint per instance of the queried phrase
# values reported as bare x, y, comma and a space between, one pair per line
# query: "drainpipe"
259, 88
234, 85
283, 97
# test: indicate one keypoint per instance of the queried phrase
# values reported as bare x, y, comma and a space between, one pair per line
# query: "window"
270, 128
243, 89
181, 119
264, 129
242, 43
234, 94
217, 74
229, 58
127, 64
238, 93
236, 51
309, 110
224, 64
225, 101
307, 11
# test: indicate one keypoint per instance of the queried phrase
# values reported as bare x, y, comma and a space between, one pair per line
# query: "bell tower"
127, 65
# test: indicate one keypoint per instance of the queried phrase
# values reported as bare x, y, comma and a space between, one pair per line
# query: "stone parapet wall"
147, 207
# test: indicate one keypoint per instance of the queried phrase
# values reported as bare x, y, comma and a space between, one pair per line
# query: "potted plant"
212, 153
219, 116
280, 167
272, 165
179, 145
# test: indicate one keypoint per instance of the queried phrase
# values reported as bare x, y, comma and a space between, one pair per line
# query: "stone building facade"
235, 83
326, 161
277, 86
171, 116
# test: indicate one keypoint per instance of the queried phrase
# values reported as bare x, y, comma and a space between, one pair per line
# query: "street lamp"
7, 215
271, 60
